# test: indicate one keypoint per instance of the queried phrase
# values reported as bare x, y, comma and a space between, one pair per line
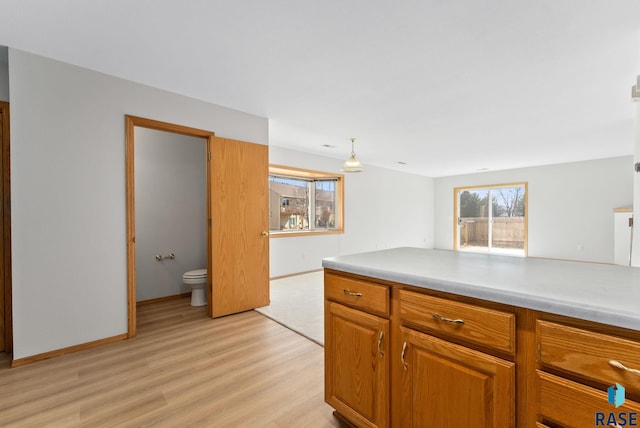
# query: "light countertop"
604, 293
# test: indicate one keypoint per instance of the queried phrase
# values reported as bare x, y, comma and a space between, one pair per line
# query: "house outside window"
491, 219
304, 202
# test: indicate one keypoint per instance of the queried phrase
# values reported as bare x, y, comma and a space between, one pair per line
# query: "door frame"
5, 229
130, 123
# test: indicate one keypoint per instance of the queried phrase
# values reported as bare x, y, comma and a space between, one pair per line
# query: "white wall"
68, 194
570, 206
383, 209
171, 210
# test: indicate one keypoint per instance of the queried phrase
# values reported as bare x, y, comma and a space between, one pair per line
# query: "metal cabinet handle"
404, 351
264, 234
451, 320
380, 337
619, 365
352, 293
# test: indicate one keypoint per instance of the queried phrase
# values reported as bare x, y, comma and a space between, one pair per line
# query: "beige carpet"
297, 302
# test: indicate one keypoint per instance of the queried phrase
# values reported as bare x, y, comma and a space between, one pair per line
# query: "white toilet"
197, 280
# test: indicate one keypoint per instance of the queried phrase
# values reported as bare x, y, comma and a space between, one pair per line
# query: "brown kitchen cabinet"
357, 352
449, 377
404, 356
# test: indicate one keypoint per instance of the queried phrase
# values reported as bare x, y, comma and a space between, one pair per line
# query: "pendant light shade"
352, 164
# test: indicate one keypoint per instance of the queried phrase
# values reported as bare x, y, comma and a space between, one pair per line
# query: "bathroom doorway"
237, 221
134, 124
171, 212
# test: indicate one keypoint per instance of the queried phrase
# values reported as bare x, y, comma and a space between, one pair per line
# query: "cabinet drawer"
571, 404
589, 355
487, 327
357, 293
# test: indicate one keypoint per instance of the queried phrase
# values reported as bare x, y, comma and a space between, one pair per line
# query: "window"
491, 219
304, 202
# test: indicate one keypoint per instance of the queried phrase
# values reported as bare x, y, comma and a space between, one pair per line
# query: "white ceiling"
447, 86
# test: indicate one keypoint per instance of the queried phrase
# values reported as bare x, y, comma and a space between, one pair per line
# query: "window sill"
280, 234
495, 251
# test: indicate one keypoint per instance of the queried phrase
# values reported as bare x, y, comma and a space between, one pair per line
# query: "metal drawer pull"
352, 293
404, 350
380, 344
441, 318
619, 365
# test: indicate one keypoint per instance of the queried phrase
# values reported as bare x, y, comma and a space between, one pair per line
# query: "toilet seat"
195, 274
194, 277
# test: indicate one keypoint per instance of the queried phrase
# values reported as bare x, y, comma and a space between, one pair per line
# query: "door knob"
264, 234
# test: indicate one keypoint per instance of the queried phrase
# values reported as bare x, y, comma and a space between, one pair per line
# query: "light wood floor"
183, 369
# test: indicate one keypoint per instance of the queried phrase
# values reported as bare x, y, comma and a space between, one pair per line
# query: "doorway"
131, 123
171, 213
237, 221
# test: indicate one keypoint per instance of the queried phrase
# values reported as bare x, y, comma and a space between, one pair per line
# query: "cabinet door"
239, 266
448, 385
356, 365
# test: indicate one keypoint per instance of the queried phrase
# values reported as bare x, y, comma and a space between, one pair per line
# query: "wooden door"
3, 326
6, 333
448, 385
356, 365
239, 226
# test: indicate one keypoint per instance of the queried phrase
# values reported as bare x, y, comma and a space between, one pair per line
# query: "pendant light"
352, 164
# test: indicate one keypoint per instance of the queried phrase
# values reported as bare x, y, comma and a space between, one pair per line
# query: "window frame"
456, 215
312, 176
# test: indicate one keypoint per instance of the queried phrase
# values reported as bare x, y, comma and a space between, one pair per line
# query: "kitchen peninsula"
418, 337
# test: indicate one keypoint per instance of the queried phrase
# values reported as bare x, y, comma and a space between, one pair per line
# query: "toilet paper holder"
170, 256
